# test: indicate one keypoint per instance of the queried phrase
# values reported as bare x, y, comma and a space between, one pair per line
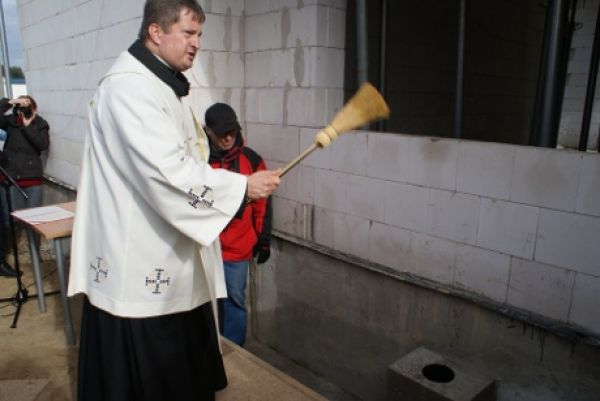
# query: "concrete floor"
36, 363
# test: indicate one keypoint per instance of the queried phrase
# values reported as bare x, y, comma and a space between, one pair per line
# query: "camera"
26, 111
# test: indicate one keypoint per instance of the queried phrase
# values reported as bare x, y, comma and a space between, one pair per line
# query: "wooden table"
52, 230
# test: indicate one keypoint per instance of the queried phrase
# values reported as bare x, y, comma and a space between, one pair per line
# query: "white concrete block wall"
499, 221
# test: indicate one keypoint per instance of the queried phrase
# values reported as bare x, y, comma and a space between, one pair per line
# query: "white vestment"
149, 207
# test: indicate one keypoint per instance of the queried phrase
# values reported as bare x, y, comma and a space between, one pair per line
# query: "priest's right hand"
262, 184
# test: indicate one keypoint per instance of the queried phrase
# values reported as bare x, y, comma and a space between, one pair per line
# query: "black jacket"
23, 145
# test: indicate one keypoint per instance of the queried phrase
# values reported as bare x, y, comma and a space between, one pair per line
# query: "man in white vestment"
145, 248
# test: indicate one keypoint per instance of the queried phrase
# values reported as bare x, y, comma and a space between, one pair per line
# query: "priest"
145, 248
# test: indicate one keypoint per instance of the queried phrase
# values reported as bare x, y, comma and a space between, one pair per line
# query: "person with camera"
26, 138
248, 234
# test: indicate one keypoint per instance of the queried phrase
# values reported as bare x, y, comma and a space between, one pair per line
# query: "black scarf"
175, 79
230, 156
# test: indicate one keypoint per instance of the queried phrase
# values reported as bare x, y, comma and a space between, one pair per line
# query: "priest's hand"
262, 183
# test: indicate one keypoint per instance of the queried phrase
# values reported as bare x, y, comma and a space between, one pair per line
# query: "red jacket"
251, 227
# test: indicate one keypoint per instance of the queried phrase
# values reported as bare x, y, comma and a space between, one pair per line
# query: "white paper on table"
39, 215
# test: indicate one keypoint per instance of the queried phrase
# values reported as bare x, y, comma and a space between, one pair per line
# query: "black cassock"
164, 358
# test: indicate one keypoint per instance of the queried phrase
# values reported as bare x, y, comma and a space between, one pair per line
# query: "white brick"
116, 11
432, 162
323, 227
365, 197
388, 156
331, 28
302, 26
330, 190
263, 32
312, 107
285, 145
221, 33
348, 153
351, 235
287, 216
485, 169
405, 206
483, 272
323, 66
584, 307
306, 184
507, 227
233, 7
540, 288
389, 246
569, 240
320, 157
228, 69
452, 215
588, 196
258, 138
544, 177
432, 258
264, 106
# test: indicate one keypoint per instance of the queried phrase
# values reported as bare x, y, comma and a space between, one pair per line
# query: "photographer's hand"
21, 102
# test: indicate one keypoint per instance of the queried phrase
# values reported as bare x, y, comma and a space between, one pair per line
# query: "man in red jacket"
248, 233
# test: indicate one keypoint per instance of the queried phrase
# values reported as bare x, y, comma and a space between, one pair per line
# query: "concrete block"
425, 375
285, 144
348, 155
351, 235
264, 106
540, 288
228, 69
312, 107
569, 240
322, 228
331, 26
588, 195
258, 137
114, 11
584, 306
302, 25
287, 216
433, 162
222, 33
452, 215
485, 169
330, 190
388, 156
230, 7
270, 68
306, 184
543, 177
389, 246
432, 258
365, 197
405, 206
320, 158
482, 272
324, 65
507, 227
263, 32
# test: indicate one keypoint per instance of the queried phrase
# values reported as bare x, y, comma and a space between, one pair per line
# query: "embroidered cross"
98, 269
200, 198
157, 281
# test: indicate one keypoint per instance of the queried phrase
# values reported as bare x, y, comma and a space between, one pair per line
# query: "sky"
13, 37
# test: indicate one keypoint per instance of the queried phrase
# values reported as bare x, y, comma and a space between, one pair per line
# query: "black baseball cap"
221, 119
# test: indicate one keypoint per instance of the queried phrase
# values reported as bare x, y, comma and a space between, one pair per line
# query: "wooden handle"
298, 159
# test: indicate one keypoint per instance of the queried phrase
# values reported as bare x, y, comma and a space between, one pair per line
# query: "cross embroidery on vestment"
98, 270
158, 280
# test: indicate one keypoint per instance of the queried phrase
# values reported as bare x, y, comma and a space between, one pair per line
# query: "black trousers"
164, 358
